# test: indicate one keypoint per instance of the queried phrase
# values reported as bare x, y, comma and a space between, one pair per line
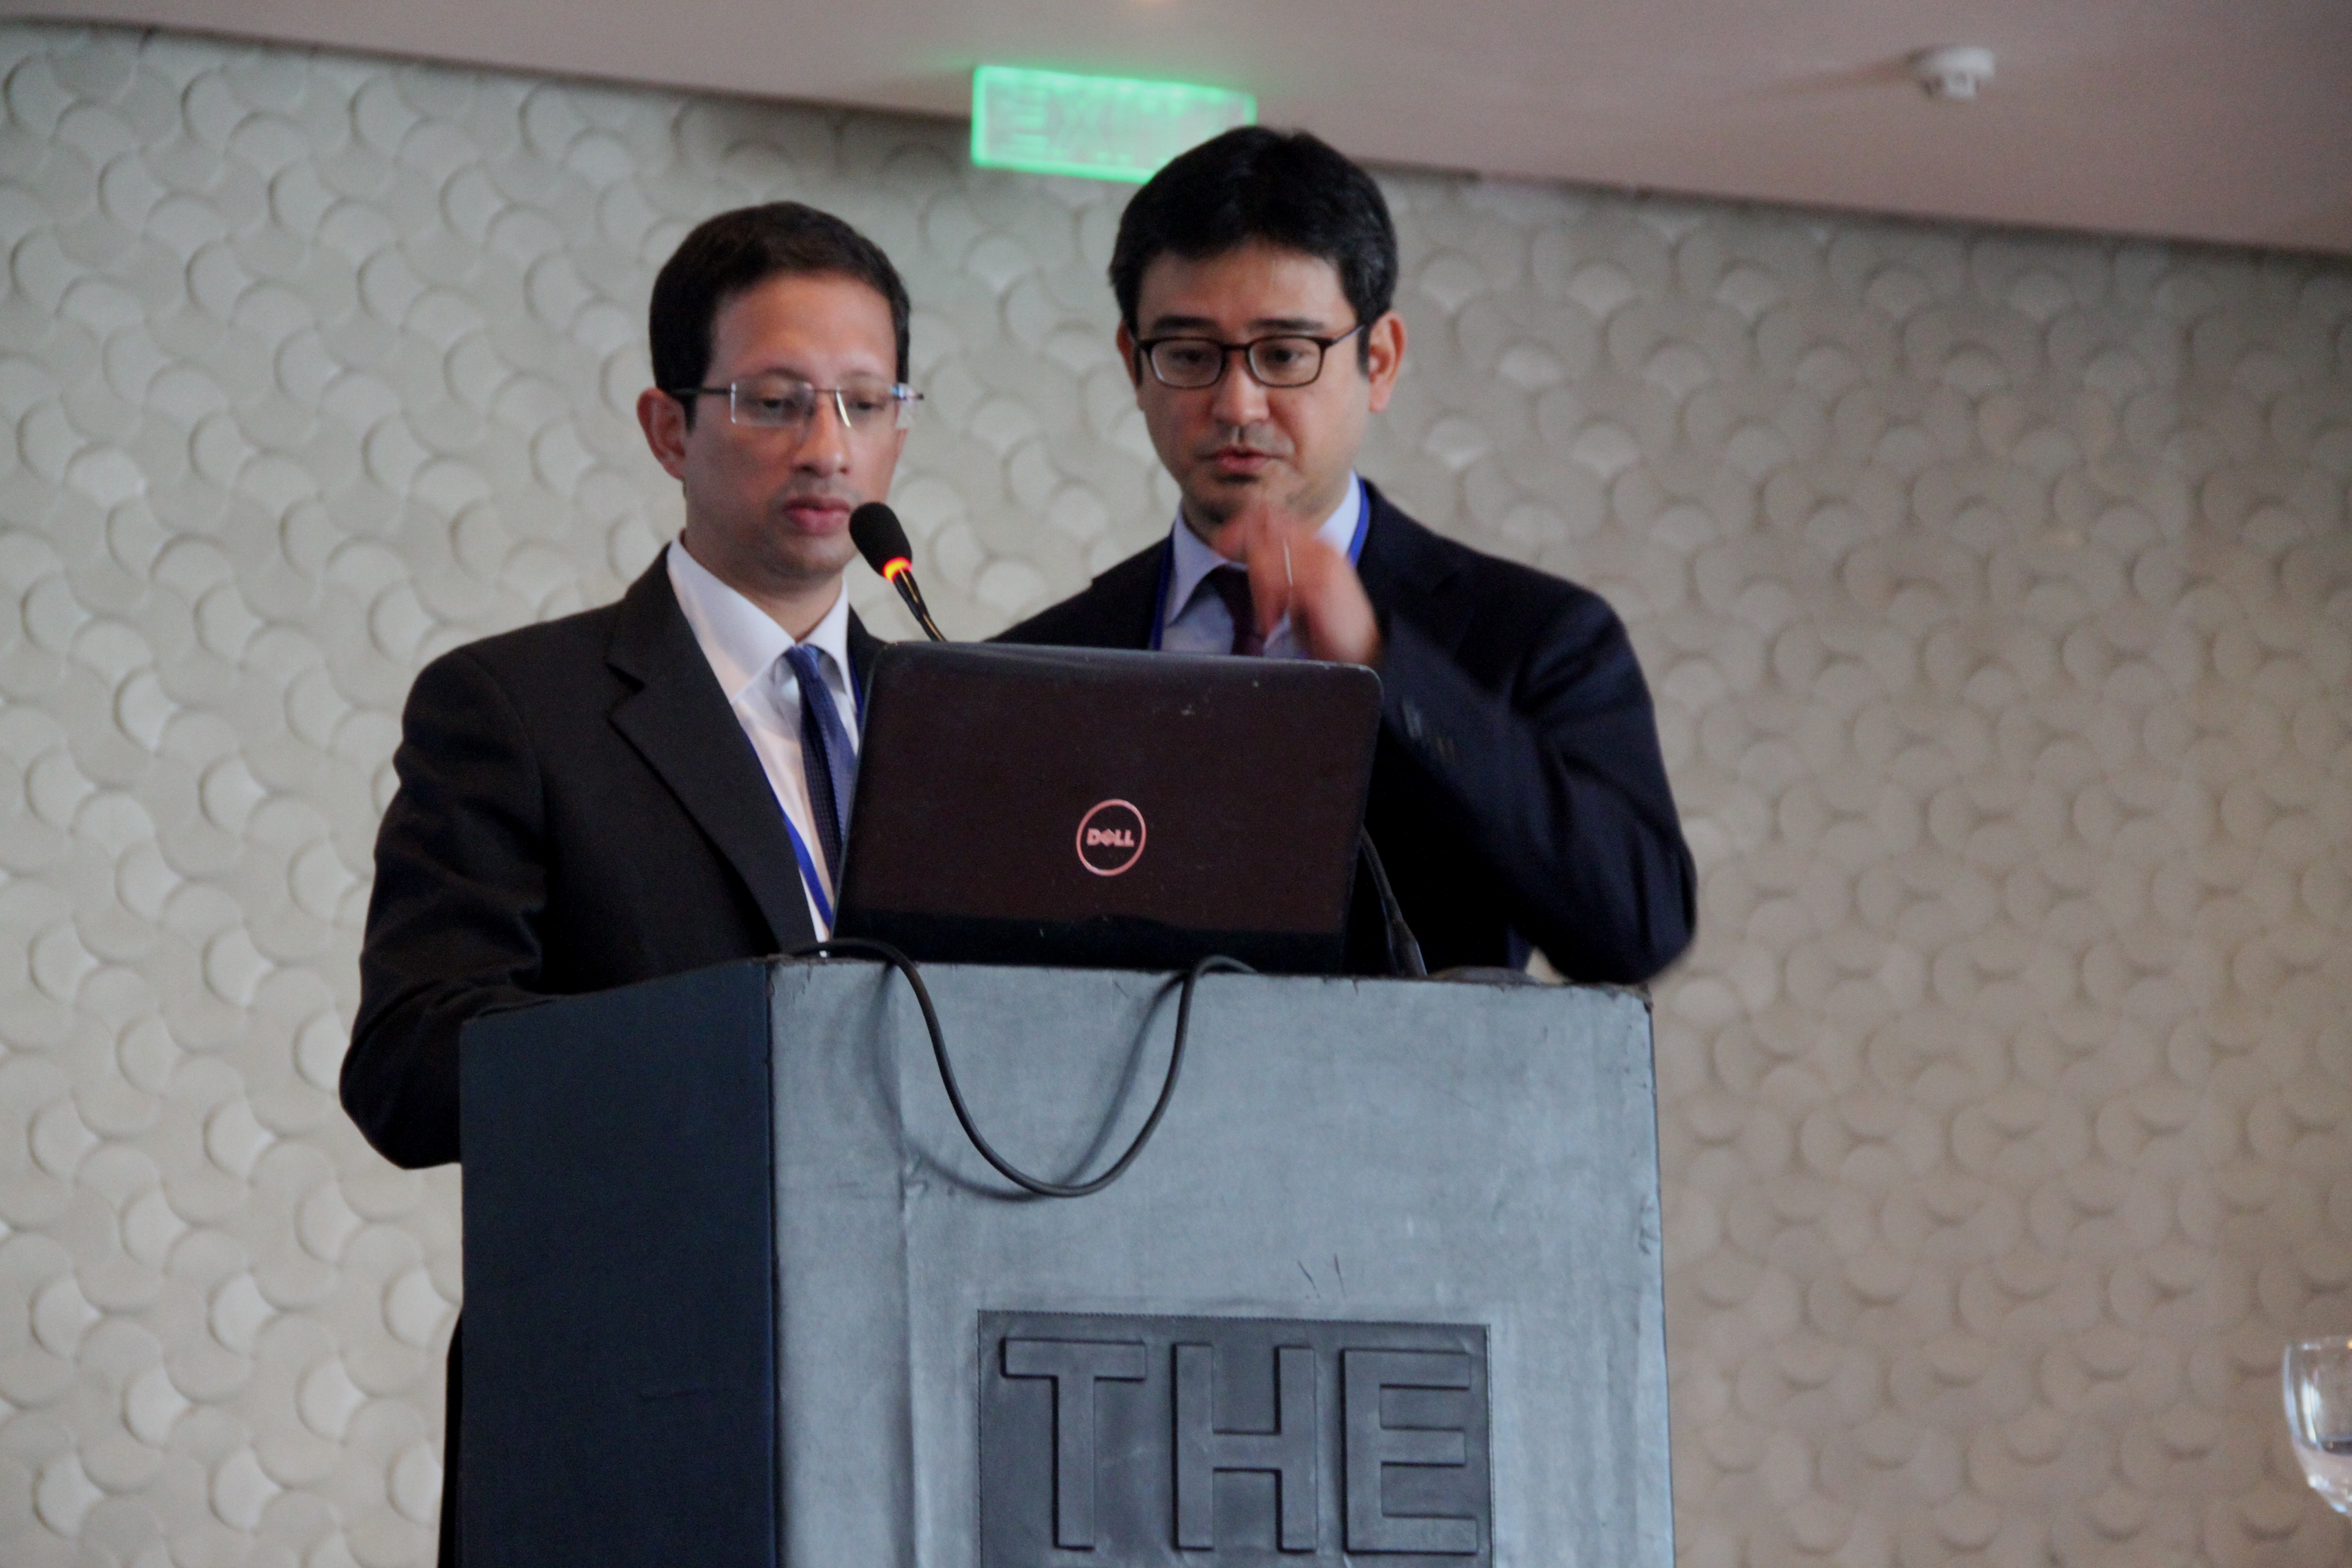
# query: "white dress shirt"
746, 649
1194, 619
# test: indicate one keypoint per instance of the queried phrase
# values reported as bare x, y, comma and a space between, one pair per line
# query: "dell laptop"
1105, 809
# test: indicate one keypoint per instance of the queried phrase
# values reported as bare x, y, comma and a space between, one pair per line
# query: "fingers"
1256, 538
1271, 555
1300, 576
1294, 573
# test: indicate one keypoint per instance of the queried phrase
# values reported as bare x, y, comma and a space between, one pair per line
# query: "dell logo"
1110, 838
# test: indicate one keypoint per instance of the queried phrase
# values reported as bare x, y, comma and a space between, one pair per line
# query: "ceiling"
2227, 121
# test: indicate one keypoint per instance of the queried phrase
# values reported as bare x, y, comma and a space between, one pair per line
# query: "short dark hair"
1288, 190
742, 250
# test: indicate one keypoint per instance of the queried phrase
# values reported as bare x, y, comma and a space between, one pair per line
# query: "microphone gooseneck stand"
903, 578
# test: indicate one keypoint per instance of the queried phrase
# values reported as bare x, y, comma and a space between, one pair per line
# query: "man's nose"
1239, 399
824, 442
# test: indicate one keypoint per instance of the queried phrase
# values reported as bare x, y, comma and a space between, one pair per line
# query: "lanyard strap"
1168, 565
808, 878
1364, 525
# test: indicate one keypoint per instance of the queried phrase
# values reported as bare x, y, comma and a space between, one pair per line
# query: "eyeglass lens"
1198, 361
781, 402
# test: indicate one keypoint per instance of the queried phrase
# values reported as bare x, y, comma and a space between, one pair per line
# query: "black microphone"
881, 537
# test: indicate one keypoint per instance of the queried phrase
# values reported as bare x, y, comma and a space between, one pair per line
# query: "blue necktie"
826, 757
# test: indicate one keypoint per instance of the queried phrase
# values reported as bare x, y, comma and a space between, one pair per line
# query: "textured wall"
1997, 591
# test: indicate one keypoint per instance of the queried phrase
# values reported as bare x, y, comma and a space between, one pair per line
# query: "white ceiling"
2215, 119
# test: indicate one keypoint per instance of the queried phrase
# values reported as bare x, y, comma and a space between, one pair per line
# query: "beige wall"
1997, 590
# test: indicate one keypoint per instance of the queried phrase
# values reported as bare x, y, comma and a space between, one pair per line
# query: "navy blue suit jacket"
1518, 791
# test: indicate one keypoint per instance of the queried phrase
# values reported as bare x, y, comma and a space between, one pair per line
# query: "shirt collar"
1195, 560
740, 639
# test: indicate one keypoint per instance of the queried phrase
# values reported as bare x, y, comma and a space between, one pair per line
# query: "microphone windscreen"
879, 536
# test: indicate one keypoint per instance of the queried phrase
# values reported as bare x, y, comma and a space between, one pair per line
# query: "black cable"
1213, 964
1404, 950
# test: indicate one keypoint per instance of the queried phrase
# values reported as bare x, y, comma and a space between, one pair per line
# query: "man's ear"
663, 419
1384, 357
1126, 340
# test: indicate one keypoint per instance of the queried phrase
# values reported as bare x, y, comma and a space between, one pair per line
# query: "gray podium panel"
1342, 1154
1384, 1290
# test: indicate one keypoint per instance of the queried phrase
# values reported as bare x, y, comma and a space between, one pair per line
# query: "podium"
1384, 1288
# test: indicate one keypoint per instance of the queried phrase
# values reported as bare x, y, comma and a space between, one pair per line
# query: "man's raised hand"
1293, 572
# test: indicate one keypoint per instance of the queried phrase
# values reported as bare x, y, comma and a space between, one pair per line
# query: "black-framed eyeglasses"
1284, 359
788, 403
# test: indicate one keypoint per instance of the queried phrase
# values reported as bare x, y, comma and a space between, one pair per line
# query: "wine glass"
2316, 1377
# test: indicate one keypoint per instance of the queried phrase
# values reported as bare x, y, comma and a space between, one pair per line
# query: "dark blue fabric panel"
620, 1388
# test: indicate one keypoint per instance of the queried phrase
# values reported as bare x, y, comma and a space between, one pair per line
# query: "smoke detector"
1953, 72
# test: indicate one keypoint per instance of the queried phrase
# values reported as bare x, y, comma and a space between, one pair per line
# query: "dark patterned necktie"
826, 757
1231, 586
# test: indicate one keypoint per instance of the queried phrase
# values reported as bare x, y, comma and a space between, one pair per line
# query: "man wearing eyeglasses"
664, 783
1519, 796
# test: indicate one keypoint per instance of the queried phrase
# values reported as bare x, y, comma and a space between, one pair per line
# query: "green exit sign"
1097, 127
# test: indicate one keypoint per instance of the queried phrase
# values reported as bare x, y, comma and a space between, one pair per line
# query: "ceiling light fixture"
1954, 72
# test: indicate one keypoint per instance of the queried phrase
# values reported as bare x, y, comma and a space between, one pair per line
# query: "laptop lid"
1100, 808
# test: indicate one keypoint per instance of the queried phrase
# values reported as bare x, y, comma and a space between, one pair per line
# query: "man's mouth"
818, 514
1240, 459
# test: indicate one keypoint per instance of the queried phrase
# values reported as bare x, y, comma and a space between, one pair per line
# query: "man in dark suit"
651, 787
1519, 796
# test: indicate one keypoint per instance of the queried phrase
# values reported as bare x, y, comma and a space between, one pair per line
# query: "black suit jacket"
1518, 790
579, 808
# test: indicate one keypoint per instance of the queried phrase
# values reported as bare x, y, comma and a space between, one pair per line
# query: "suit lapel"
1127, 599
862, 646
680, 723
1405, 572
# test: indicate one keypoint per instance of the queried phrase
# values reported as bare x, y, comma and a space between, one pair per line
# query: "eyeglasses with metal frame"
787, 403
1285, 360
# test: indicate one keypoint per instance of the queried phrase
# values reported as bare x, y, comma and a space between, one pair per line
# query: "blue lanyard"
1168, 565
808, 872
